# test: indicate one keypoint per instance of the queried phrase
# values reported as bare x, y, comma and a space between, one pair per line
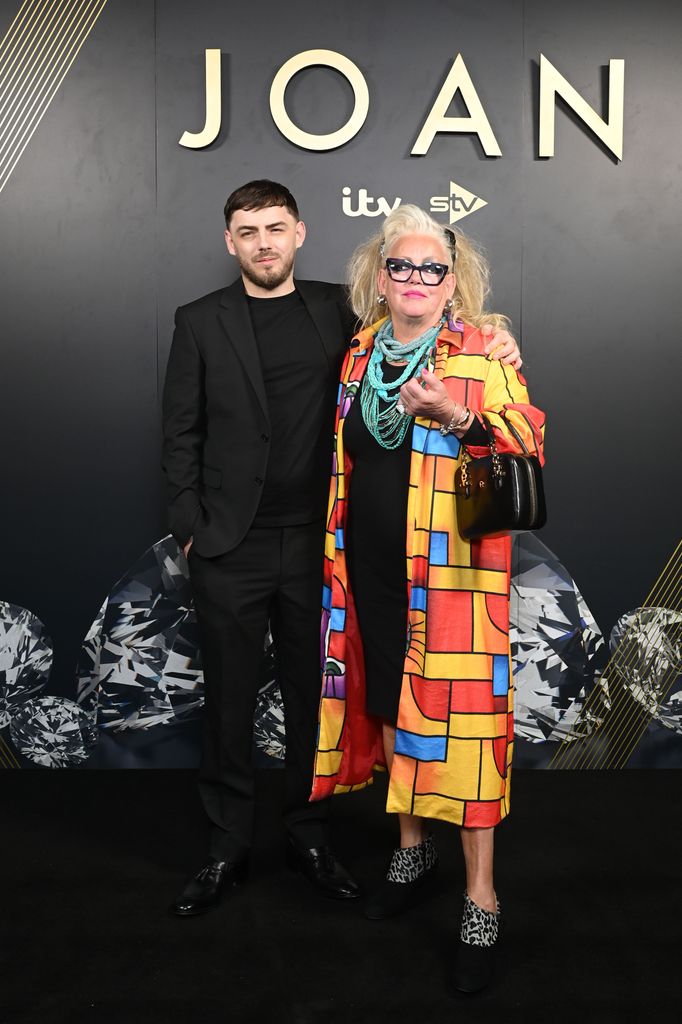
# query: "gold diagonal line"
617, 722
4, 761
622, 725
625, 710
42, 57
8, 755
50, 56
622, 655
625, 745
672, 676
36, 105
666, 595
27, 100
25, 40
22, 48
572, 752
9, 37
601, 756
70, 57
42, 44
622, 756
66, 57
568, 754
664, 575
626, 753
10, 40
571, 756
27, 55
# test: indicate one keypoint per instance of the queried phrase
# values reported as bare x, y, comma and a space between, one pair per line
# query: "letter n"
553, 84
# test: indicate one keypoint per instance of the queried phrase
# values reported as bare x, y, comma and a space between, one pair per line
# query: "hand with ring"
431, 400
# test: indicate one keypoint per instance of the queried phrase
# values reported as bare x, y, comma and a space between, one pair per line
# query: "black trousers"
275, 574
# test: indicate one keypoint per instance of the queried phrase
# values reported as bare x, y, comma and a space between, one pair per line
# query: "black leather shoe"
320, 867
204, 892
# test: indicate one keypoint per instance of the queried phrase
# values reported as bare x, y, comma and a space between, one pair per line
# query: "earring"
380, 300
452, 324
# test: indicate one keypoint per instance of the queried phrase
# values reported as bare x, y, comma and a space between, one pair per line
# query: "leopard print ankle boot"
410, 876
478, 936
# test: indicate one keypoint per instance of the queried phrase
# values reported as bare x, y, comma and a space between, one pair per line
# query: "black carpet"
588, 871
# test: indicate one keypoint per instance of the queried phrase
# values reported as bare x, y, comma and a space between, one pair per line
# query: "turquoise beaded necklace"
386, 424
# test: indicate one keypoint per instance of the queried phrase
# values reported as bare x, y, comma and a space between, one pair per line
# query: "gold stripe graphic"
7, 757
626, 720
35, 29
36, 54
613, 720
21, 18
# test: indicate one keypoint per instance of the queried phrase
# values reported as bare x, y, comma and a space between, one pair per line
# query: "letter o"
313, 58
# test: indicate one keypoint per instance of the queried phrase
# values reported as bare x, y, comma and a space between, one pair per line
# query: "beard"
268, 277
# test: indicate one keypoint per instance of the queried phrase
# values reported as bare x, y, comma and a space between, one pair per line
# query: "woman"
415, 625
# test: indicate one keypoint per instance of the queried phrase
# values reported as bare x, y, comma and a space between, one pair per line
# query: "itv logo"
457, 205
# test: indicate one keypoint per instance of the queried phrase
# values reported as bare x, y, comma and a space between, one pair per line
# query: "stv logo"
459, 204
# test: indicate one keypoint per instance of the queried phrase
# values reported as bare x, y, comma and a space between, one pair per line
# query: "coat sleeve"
184, 405
350, 321
505, 401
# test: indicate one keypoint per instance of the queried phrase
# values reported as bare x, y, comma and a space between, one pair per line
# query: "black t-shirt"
300, 389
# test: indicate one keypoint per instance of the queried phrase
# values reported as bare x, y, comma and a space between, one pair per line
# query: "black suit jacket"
215, 417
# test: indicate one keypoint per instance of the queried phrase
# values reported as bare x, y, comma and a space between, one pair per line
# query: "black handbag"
499, 492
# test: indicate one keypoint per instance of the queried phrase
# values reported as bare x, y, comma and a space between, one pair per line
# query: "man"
248, 417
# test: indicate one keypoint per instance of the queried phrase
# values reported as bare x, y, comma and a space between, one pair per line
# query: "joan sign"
457, 82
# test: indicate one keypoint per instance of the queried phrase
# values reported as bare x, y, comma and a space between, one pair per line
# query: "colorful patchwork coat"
455, 730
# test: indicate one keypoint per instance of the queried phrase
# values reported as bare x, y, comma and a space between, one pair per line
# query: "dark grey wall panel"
404, 57
98, 250
80, 436
602, 303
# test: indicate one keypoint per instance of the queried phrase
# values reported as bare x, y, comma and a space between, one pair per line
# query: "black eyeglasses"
430, 273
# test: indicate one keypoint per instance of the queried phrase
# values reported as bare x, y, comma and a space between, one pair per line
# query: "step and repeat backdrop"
550, 133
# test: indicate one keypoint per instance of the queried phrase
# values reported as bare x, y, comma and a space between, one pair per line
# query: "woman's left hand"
501, 345
431, 401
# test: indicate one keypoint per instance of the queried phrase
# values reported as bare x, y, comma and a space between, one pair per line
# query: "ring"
401, 408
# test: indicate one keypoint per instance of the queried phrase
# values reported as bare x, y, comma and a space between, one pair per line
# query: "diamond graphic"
25, 657
557, 647
268, 720
53, 732
89, 664
649, 663
140, 660
140, 664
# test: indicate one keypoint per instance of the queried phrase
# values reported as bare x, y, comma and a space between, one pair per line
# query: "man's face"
265, 243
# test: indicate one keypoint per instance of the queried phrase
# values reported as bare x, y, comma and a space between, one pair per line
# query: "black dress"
376, 546
376, 540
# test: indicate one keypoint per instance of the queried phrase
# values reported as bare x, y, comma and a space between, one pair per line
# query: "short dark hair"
257, 195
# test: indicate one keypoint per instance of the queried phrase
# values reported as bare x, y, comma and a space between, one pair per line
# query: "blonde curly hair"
470, 267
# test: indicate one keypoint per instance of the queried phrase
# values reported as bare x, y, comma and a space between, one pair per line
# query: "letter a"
197, 140
477, 122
